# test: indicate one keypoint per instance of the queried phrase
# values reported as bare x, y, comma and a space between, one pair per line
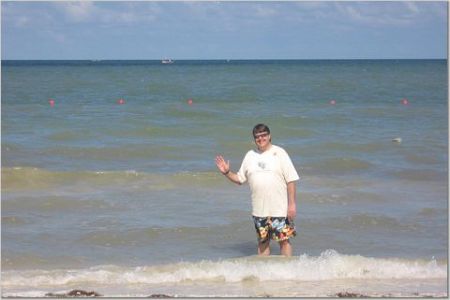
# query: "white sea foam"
329, 265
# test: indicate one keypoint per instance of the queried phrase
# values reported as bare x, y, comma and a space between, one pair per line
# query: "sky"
223, 30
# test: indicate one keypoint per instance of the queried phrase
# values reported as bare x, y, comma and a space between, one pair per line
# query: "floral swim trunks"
275, 228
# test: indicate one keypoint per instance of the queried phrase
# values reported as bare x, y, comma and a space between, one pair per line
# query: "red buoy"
405, 101
51, 102
120, 101
190, 102
333, 102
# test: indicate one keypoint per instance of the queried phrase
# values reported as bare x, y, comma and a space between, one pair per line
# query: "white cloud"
109, 13
22, 21
56, 36
380, 14
412, 7
128, 12
265, 11
221, 16
14, 16
78, 11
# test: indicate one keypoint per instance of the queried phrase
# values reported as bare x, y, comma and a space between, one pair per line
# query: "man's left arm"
292, 206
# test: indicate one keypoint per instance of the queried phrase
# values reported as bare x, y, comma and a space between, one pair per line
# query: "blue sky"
223, 30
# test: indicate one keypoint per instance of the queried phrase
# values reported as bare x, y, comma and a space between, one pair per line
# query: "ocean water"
125, 199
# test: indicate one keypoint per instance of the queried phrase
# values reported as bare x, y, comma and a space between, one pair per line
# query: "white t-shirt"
268, 174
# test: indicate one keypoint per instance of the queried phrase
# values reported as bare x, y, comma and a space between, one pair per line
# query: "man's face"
262, 139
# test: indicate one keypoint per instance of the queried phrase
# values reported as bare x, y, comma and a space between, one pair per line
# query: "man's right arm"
224, 168
233, 177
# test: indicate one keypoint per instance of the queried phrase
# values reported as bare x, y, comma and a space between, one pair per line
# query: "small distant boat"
167, 61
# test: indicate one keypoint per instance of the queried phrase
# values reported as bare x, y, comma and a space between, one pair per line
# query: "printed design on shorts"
282, 229
263, 232
277, 229
262, 228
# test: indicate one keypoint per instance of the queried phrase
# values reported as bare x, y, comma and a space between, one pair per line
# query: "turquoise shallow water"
89, 182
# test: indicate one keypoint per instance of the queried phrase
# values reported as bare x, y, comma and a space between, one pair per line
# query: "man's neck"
262, 150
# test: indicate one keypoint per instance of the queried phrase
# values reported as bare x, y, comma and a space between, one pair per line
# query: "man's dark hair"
260, 128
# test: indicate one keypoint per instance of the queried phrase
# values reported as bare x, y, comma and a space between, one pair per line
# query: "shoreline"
348, 288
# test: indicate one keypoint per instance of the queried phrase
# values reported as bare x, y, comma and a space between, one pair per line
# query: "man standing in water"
271, 177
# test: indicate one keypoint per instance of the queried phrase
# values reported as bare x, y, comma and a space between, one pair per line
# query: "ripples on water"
128, 184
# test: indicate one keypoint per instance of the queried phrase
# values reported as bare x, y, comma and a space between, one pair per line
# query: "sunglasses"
262, 135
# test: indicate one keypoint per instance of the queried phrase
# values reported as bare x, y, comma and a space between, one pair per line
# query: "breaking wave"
328, 266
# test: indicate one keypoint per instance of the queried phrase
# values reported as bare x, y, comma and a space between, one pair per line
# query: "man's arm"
224, 168
233, 177
292, 206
